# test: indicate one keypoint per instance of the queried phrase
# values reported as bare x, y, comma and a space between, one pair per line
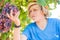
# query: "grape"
5, 23
8, 7
0, 23
1, 27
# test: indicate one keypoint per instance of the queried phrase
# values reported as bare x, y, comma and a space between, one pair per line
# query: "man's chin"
34, 20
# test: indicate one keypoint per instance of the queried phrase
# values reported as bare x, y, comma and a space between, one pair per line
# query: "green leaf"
42, 2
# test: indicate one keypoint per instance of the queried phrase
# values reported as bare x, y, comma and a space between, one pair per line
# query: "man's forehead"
33, 4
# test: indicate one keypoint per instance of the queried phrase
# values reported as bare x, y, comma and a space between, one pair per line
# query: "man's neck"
42, 24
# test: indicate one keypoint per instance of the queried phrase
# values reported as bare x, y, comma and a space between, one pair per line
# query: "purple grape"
8, 7
5, 23
1, 27
7, 10
0, 23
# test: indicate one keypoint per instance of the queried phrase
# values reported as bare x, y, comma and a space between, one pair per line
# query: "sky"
55, 12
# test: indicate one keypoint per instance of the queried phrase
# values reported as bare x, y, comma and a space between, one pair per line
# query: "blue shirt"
51, 32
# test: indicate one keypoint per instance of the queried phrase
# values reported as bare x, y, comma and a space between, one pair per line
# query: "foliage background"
22, 6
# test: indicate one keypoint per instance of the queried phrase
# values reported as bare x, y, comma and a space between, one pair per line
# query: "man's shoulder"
31, 24
53, 19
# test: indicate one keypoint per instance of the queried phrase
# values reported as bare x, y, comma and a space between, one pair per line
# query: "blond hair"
42, 8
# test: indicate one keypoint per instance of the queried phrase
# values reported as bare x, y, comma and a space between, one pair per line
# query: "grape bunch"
8, 7
5, 23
